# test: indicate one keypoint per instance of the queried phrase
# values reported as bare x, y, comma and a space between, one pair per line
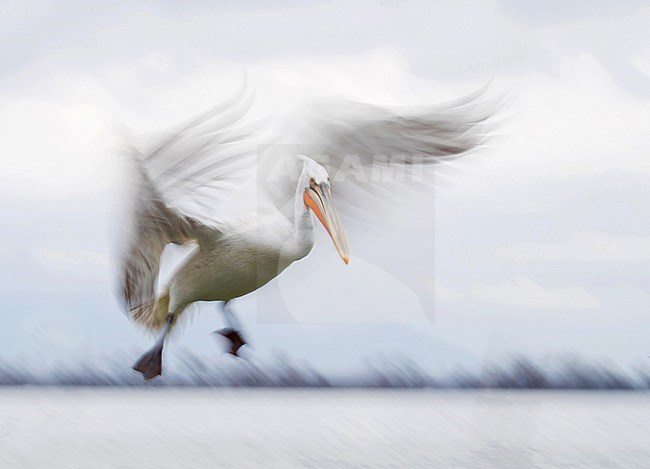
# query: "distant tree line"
400, 372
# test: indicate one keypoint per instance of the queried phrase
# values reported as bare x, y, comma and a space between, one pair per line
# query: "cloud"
525, 293
643, 66
577, 136
361, 292
73, 258
442, 291
583, 246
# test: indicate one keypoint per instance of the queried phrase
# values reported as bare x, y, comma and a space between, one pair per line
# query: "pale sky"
540, 245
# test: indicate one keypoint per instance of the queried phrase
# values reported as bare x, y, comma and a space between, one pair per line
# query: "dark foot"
150, 364
235, 339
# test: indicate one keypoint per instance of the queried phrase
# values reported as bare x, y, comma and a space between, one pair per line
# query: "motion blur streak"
315, 428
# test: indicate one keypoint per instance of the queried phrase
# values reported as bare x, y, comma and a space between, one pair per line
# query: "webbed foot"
235, 339
150, 363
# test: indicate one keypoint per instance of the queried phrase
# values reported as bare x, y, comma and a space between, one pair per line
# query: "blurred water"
197, 428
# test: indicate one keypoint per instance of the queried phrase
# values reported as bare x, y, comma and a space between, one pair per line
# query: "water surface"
196, 428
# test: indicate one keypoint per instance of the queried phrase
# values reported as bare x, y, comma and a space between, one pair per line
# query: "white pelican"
246, 199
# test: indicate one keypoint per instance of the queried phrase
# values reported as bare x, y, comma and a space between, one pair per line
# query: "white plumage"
245, 193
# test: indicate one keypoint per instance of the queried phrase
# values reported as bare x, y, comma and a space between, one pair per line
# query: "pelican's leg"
232, 330
150, 363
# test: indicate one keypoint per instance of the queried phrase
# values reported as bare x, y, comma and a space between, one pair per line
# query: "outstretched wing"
151, 225
384, 169
179, 181
195, 165
381, 155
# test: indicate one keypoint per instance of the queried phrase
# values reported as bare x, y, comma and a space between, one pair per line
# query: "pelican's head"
318, 197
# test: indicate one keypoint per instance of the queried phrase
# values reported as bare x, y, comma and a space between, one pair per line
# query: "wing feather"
177, 179
184, 178
380, 156
152, 226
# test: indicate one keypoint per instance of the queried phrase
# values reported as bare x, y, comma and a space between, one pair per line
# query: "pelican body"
209, 182
248, 253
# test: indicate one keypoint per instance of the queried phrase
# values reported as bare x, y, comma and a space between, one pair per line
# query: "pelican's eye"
312, 182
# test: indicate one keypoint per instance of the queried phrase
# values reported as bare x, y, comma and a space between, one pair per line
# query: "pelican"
249, 195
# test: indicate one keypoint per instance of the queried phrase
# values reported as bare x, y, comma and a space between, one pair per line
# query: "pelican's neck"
303, 220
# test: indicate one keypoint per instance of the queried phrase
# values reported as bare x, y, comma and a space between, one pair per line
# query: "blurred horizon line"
519, 372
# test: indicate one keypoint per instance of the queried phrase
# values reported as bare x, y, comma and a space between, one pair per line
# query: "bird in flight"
248, 195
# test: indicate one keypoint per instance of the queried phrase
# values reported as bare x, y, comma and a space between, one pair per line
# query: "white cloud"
583, 246
358, 293
73, 258
574, 121
442, 291
524, 293
643, 66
